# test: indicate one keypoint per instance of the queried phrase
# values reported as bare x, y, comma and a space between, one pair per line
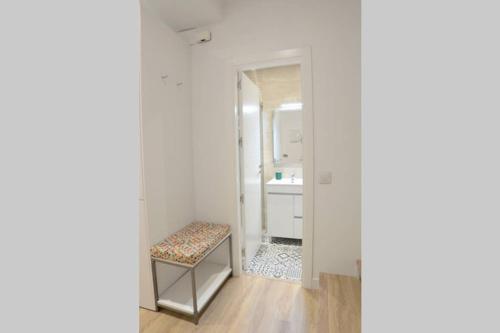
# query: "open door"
146, 289
250, 165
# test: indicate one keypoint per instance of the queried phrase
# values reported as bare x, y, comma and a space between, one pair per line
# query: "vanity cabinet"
297, 227
284, 208
297, 206
284, 215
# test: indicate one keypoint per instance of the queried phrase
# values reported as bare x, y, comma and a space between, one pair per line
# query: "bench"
188, 248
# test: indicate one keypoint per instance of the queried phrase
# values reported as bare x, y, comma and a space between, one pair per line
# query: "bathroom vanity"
284, 208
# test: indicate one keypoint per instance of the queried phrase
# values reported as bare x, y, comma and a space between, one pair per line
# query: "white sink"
285, 181
284, 185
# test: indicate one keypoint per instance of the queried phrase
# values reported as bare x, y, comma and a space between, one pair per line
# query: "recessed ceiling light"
290, 107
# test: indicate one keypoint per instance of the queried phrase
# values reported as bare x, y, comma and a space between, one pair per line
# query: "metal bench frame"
191, 270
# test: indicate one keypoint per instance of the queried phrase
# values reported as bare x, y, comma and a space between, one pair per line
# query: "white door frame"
302, 57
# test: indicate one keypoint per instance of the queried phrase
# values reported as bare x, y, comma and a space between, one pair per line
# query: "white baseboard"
315, 283
149, 308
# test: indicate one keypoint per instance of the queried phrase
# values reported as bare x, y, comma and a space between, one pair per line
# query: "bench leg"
231, 254
195, 303
155, 283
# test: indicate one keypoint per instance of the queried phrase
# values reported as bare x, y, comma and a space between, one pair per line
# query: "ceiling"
181, 15
277, 85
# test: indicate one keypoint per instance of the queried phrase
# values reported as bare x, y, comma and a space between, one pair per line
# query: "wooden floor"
255, 304
340, 304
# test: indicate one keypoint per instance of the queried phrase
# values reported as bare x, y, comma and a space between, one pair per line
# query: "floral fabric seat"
188, 245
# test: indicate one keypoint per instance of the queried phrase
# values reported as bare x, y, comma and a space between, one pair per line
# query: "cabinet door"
297, 205
280, 215
297, 228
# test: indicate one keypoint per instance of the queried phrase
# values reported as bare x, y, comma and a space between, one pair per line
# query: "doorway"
271, 155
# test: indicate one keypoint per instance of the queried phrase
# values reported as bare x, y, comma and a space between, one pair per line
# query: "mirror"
287, 137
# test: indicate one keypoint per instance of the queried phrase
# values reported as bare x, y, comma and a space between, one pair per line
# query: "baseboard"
149, 308
315, 283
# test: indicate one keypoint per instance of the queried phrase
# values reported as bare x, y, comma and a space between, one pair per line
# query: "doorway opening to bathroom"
271, 158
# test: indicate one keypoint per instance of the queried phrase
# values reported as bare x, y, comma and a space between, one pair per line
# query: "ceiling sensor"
204, 36
199, 37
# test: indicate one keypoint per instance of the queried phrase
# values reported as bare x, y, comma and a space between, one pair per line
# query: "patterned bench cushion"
189, 244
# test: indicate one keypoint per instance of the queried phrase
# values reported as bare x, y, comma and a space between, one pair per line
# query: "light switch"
325, 177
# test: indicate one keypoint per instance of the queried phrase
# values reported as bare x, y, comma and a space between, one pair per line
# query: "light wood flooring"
256, 304
339, 304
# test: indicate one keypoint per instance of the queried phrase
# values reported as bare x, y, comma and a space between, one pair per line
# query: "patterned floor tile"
276, 259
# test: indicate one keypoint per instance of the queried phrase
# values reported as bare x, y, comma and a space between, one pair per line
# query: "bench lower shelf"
209, 277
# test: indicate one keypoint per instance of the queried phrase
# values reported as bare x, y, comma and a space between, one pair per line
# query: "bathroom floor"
279, 258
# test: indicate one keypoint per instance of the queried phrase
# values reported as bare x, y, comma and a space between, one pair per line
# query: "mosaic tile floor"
278, 258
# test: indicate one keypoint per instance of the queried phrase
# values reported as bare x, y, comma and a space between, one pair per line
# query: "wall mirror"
287, 135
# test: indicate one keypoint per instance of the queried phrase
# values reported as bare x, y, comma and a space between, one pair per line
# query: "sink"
285, 181
285, 185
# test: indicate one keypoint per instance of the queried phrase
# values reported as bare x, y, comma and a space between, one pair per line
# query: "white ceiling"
187, 14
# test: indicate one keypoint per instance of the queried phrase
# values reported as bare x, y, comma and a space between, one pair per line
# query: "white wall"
167, 131
332, 30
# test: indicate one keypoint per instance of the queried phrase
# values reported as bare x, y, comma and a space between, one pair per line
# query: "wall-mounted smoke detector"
193, 36
203, 37
189, 18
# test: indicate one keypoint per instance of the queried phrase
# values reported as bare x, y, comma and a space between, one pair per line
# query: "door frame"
302, 57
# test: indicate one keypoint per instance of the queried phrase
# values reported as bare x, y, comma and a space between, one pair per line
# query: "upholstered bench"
188, 248
191, 243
